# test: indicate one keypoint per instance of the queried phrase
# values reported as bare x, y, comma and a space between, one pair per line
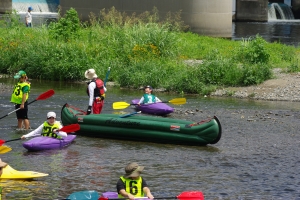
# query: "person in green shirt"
19, 97
148, 97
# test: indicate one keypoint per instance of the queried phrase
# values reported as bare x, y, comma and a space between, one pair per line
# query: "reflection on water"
253, 160
282, 31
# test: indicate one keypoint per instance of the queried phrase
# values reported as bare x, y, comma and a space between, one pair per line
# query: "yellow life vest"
17, 94
48, 130
133, 187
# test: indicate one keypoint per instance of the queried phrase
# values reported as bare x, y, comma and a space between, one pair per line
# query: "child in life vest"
19, 98
49, 128
148, 97
131, 184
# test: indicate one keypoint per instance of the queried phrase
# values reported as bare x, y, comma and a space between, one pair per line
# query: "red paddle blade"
45, 95
2, 142
70, 128
191, 195
103, 198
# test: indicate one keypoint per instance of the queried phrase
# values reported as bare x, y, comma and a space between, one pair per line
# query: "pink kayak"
46, 143
153, 108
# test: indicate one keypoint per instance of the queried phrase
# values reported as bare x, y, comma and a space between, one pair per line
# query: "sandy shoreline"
284, 87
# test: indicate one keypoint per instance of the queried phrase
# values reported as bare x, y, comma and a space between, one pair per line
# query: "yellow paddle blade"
120, 105
4, 149
178, 101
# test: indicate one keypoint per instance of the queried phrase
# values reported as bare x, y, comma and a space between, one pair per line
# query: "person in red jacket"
96, 92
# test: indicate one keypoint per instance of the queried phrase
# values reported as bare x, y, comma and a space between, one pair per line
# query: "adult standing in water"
19, 98
96, 92
28, 17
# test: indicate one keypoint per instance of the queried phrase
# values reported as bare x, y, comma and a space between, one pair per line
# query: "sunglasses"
50, 118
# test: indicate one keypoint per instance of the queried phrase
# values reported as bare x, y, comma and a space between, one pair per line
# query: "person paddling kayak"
49, 128
148, 97
131, 184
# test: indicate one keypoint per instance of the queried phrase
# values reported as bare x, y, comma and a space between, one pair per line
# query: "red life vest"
99, 90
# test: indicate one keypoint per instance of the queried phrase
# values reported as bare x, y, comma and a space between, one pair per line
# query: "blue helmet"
30, 8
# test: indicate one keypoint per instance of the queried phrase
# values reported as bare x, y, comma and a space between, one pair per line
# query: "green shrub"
255, 73
66, 27
140, 49
293, 67
254, 51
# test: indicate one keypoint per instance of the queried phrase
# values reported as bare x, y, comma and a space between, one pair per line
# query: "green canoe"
143, 128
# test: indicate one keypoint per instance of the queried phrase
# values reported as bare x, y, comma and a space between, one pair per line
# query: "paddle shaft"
20, 108
67, 129
192, 197
105, 198
135, 104
12, 140
130, 114
107, 74
43, 96
144, 198
123, 105
184, 195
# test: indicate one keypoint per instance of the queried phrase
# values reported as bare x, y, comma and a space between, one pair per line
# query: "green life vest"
133, 187
149, 98
17, 94
48, 130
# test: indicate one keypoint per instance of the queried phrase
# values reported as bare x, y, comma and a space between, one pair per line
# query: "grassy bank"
140, 50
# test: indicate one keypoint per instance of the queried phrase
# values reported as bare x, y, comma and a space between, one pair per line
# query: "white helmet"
51, 114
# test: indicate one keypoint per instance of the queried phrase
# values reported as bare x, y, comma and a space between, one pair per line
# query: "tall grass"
140, 49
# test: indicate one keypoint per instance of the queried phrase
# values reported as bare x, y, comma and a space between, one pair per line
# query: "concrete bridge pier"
249, 10
206, 17
5, 5
296, 8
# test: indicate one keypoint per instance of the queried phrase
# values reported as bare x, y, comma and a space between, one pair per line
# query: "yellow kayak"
9, 173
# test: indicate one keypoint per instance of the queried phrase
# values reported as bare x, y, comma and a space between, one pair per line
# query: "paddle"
42, 96
4, 149
67, 129
123, 105
130, 114
107, 74
188, 195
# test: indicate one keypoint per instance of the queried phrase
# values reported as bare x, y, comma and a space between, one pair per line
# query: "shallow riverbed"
256, 158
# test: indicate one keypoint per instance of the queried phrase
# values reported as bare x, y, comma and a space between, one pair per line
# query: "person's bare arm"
126, 194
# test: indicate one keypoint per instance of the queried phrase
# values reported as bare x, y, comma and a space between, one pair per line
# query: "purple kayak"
154, 108
46, 143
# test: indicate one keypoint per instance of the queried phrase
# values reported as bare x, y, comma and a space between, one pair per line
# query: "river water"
256, 158
281, 31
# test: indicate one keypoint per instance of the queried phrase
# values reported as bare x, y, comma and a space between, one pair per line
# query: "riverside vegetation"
140, 49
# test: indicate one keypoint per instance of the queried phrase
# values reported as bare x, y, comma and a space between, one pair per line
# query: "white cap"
51, 114
90, 74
